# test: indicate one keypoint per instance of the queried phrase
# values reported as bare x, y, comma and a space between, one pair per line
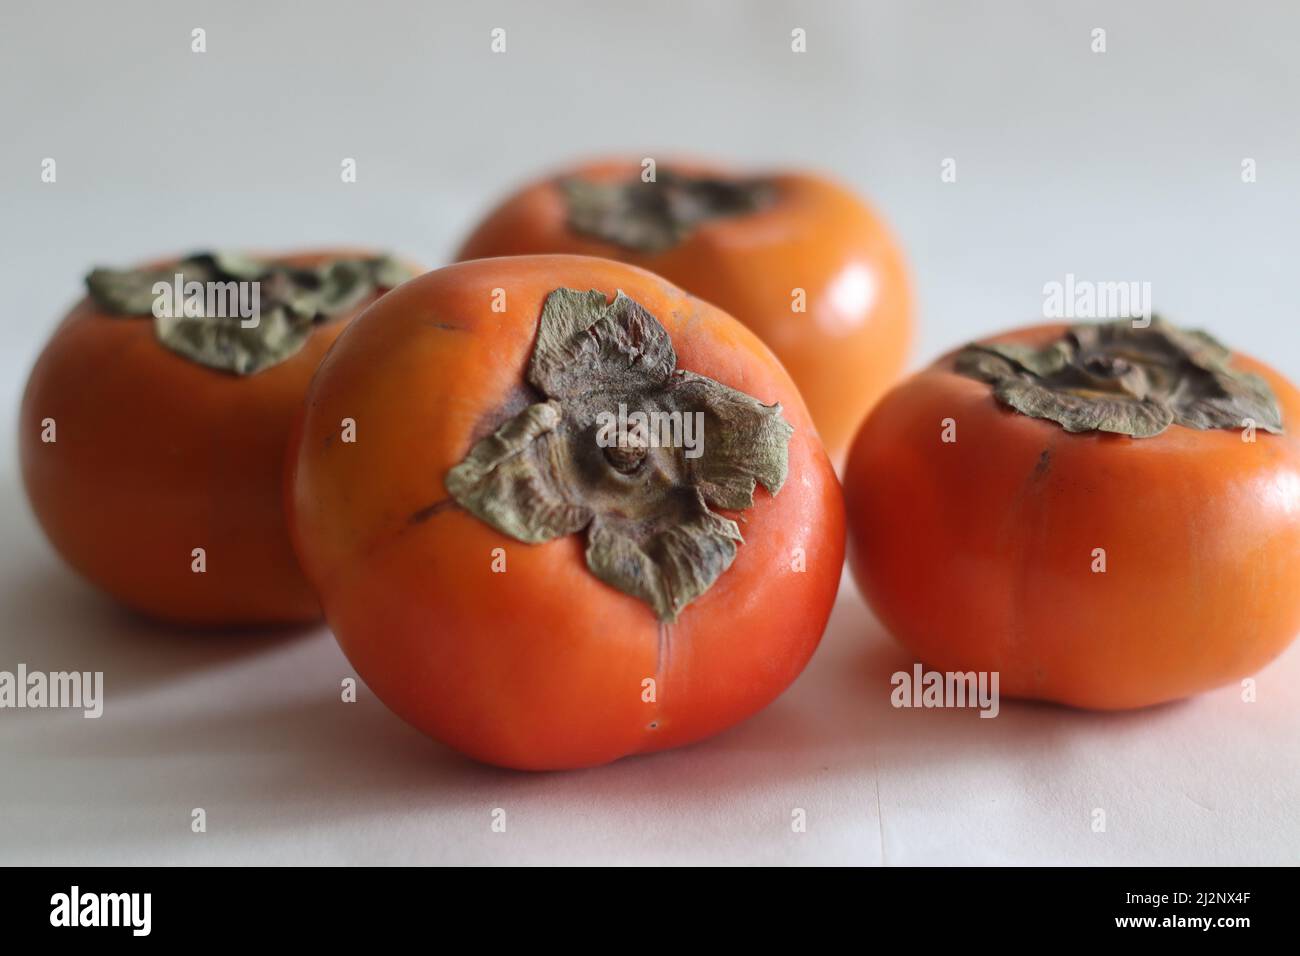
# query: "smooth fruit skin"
843, 352
157, 455
978, 554
540, 665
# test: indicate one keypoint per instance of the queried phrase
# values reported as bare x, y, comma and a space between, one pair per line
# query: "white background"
1115, 166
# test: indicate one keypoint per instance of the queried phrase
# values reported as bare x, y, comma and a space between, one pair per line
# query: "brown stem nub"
626, 457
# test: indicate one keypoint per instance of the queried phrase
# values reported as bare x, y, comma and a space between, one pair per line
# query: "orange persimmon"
1107, 515
519, 576
153, 427
799, 259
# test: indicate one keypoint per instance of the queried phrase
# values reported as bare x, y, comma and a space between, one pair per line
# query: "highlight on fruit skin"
153, 427
800, 259
524, 580
1108, 516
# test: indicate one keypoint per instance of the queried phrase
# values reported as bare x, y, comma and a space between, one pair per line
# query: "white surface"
251, 729
1118, 166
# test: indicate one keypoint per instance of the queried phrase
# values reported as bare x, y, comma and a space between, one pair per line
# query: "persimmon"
798, 258
154, 424
519, 578
1107, 515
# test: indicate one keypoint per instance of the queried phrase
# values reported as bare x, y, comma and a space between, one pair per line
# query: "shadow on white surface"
251, 728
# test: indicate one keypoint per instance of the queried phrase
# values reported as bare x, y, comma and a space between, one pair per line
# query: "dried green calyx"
628, 447
1117, 377
239, 314
654, 216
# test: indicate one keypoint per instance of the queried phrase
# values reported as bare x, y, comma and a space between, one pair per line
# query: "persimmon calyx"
629, 448
1116, 377
657, 215
238, 314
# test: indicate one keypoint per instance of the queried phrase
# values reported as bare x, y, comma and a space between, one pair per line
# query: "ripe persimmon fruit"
799, 259
154, 424
1107, 514
585, 515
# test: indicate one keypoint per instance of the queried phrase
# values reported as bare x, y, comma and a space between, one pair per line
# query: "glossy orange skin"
541, 666
848, 346
157, 455
978, 554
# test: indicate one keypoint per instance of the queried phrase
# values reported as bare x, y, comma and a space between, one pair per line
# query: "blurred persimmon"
153, 427
798, 258
1108, 515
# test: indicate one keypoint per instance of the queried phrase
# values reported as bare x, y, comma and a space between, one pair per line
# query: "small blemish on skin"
654, 725
1044, 463
428, 512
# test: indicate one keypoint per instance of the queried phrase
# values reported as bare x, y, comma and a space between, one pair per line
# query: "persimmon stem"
1126, 379
657, 215
647, 507
287, 302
